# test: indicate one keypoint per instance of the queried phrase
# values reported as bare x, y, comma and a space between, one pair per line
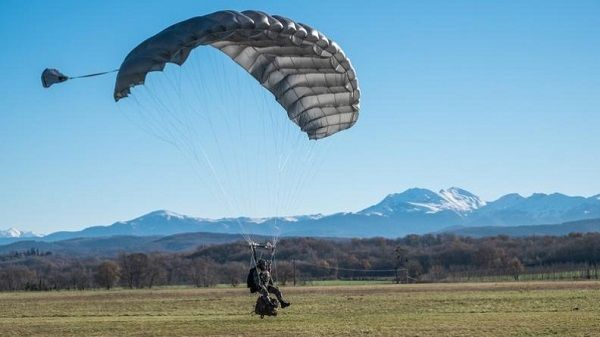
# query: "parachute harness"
268, 246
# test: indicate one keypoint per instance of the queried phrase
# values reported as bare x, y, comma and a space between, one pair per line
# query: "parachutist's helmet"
261, 264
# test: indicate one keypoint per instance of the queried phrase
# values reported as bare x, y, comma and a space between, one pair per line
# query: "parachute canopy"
309, 74
52, 76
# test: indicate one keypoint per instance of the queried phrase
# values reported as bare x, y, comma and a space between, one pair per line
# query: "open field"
464, 309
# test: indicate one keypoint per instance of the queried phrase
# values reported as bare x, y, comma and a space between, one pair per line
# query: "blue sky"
494, 97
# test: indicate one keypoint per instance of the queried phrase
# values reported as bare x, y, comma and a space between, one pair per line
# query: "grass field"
464, 309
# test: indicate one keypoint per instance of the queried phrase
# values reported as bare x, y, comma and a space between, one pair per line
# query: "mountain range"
414, 211
580, 226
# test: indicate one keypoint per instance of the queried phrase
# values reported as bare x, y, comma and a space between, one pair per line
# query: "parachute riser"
268, 246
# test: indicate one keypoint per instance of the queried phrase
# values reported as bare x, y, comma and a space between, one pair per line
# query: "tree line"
414, 258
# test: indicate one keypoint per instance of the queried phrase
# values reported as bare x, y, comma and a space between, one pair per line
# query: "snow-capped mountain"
415, 210
16, 233
425, 201
157, 223
539, 208
460, 200
163, 222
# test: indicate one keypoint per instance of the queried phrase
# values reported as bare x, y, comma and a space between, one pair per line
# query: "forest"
298, 261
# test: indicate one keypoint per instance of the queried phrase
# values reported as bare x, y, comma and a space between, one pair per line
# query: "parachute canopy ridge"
309, 74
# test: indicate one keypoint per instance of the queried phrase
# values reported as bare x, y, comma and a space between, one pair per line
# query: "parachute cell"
309, 74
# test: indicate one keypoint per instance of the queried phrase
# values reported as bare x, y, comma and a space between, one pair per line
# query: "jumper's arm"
253, 245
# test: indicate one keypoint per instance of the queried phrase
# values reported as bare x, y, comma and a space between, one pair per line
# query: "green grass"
464, 309
570, 275
325, 283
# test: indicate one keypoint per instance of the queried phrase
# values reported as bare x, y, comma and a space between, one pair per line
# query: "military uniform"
267, 286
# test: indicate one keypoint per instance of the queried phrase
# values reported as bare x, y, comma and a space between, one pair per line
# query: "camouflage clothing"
265, 277
267, 286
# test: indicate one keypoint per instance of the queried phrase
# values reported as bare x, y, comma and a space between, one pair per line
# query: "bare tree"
283, 272
437, 273
233, 273
414, 269
155, 271
79, 276
202, 272
107, 274
516, 268
15, 277
134, 269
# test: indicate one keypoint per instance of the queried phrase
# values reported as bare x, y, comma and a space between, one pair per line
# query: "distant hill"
113, 245
582, 226
110, 246
414, 211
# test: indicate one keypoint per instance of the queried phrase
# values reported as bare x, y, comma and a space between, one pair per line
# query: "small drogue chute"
52, 76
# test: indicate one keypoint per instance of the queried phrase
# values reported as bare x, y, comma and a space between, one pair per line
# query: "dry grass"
464, 309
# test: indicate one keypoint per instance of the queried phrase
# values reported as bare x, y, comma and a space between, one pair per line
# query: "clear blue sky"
492, 96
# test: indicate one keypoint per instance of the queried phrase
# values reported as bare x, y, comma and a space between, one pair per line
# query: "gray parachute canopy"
308, 73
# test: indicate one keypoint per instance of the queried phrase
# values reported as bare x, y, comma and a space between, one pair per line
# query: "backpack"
251, 280
266, 306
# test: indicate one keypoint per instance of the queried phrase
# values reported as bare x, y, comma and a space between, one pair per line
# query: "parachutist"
260, 280
308, 74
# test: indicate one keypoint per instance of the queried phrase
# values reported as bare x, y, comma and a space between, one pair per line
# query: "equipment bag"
266, 306
251, 280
